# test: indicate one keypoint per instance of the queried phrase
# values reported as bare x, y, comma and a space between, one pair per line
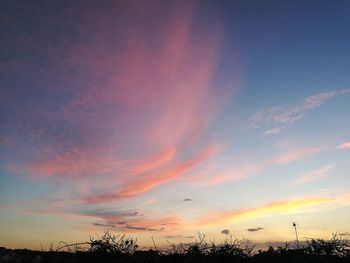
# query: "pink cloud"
314, 175
75, 162
134, 107
293, 155
345, 145
150, 181
150, 201
154, 161
217, 173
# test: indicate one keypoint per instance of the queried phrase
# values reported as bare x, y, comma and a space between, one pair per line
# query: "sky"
167, 118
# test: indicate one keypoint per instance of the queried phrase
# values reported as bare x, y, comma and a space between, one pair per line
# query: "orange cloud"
261, 211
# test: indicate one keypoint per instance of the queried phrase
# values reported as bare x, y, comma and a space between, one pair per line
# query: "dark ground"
30, 256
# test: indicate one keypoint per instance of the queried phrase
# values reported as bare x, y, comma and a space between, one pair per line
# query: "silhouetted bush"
120, 248
333, 247
112, 244
314, 250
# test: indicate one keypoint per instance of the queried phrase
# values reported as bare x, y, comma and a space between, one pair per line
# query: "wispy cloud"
150, 181
150, 201
274, 119
262, 211
272, 131
235, 173
216, 175
314, 175
134, 114
293, 155
344, 145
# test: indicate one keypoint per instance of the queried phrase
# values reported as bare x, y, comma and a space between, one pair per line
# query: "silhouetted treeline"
110, 248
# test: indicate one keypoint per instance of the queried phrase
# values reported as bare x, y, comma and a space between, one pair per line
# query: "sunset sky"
169, 118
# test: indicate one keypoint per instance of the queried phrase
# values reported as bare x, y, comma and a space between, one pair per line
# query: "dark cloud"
124, 220
108, 214
225, 232
141, 228
104, 225
187, 200
179, 236
255, 229
129, 227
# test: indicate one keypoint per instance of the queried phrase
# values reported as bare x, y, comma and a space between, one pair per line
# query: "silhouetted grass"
115, 248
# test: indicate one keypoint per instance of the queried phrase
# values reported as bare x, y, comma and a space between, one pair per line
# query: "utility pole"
296, 234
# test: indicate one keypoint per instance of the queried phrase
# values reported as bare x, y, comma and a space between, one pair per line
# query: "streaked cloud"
314, 175
150, 181
272, 131
134, 109
274, 119
126, 116
216, 175
344, 145
278, 207
294, 154
228, 174
150, 201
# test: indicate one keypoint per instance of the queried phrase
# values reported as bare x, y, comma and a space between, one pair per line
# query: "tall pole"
296, 234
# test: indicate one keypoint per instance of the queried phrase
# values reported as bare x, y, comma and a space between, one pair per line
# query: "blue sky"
167, 118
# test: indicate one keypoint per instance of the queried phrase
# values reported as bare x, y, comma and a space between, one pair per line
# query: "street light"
296, 233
